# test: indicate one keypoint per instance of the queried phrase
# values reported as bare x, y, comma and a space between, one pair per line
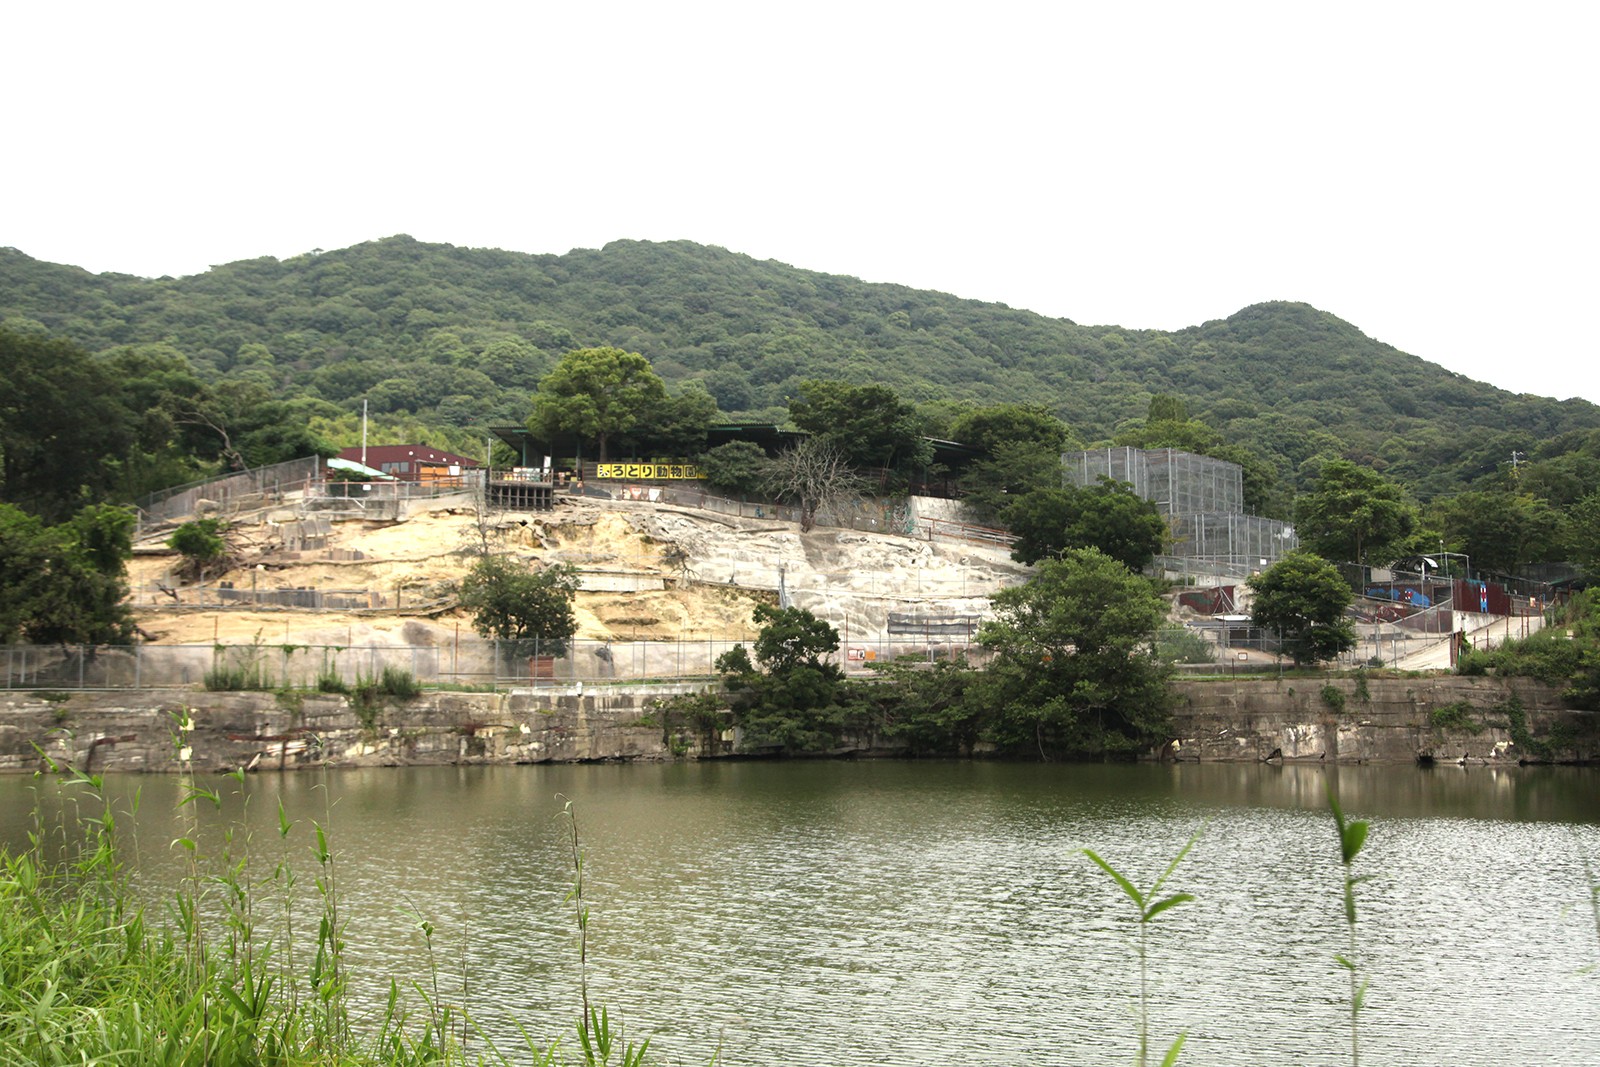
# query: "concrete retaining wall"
179, 729
1387, 720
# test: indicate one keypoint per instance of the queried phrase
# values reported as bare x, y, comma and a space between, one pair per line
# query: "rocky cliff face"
1382, 720
178, 730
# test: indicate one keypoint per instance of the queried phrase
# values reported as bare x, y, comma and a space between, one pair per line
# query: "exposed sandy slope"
707, 574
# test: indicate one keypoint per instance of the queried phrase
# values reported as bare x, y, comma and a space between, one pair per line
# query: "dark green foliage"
1500, 529
1039, 521
755, 329
1566, 653
930, 708
792, 701
65, 584
703, 713
676, 428
62, 427
200, 542
1072, 672
532, 610
1456, 715
1029, 426
869, 424
738, 468
1302, 598
1333, 697
1581, 534
1023, 442
1354, 513
261, 358
596, 394
398, 683
1107, 516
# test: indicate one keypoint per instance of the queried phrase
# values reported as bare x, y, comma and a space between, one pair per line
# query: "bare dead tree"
814, 475
194, 416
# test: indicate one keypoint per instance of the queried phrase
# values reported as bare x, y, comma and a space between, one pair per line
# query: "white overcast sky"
1425, 171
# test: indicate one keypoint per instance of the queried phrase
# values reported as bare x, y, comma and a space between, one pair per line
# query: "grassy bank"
246, 966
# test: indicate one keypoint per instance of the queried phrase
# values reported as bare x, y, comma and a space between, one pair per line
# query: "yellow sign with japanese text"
648, 471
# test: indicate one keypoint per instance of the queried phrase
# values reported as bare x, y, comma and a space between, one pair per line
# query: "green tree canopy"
200, 542
1581, 534
64, 433
738, 467
676, 430
531, 609
792, 701
1023, 442
1108, 516
1073, 672
1354, 513
869, 424
1499, 529
997, 426
1302, 598
597, 394
65, 584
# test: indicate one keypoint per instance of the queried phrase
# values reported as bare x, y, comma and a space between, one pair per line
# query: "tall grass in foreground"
86, 978
1148, 905
1352, 835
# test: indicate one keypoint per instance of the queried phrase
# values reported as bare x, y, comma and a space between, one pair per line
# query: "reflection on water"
917, 913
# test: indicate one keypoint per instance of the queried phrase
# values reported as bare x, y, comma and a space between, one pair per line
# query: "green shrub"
1456, 715
1333, 696
1516, 720
1184, 646
231, 677
399, 683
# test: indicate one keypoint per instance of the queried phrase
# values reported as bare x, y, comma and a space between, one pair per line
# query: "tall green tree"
1023, 445
869, 424
1500, 529
65, 584
64, 432
1581, 533
597, 394
1073, 671
1354, 513
789, 697
1108, 516
676, 430
737, 467
531, 610
1302, 598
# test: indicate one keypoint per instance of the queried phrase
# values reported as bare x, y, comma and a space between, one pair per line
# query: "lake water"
835, 914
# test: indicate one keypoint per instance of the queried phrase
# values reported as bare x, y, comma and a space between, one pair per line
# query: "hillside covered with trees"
458, 337
258, 359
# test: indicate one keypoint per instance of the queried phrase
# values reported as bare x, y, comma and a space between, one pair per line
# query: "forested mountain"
438, 339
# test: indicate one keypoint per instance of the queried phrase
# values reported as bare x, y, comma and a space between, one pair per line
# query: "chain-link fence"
472, 663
